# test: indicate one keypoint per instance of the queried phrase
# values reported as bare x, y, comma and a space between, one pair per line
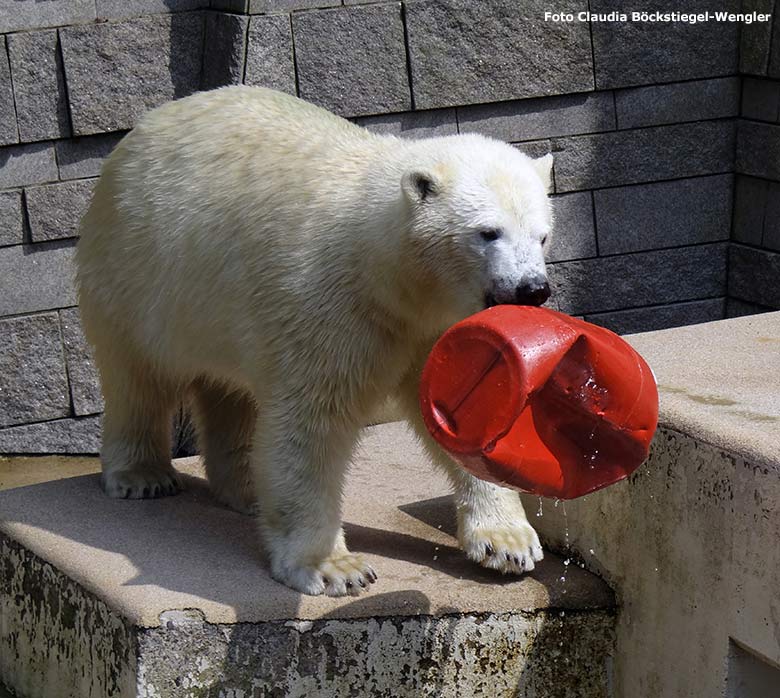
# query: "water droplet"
591, 551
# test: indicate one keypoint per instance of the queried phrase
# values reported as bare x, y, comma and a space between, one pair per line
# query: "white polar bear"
289, 270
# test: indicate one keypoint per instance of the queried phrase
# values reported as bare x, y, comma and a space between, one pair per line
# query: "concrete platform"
171, 597
719, 382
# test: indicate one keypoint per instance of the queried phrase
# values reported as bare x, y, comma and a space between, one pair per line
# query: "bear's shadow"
193, 545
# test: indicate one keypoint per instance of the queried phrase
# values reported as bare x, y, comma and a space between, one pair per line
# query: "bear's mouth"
490, 300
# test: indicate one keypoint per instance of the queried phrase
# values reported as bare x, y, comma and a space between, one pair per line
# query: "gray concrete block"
353, 60
83, 157
641, 278
532, 119
661, 317
750, 200
465, 52
11, 221
39, 85
55, 210
269, 54
673, 104
117, 71
224, 50
758, 149
8, 129
33, 381
643, 155
737, 308
773, 70
239, 6
124, 9
754, 275
771, 237
262, 6
574, 234
85, 390
63, 436
31, 163
34, 14
414, 124
756, 39
536, 149
663, 214
256, 7
637, 53
209, 618
761, 99
36, 277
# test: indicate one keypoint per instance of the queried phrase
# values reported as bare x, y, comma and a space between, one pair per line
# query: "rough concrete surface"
186, 577
720, 383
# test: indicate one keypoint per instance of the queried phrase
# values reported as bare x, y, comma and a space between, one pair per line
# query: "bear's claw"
140, 483
338, 575
508, 549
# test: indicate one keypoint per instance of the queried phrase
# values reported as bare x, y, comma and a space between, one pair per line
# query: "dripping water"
566, 546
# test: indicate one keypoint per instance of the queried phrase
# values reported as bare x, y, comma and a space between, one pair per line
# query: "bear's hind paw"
140, 483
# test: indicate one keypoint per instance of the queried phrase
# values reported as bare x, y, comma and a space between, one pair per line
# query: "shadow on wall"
184, 63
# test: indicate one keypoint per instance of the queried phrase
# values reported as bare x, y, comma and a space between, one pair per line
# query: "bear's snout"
533, 292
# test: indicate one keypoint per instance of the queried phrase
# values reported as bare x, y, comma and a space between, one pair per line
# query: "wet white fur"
285, 268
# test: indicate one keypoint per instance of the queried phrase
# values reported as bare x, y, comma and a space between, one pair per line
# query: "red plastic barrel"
539, 401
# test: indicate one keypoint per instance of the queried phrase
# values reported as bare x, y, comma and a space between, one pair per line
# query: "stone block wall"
754, 256
661, 134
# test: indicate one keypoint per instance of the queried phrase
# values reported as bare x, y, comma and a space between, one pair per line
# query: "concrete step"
171, 597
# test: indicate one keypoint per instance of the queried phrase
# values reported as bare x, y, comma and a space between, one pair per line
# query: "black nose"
532, 293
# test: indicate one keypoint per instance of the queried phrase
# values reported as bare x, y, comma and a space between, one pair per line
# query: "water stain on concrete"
719, 401
756, 416
712, 400
702, 399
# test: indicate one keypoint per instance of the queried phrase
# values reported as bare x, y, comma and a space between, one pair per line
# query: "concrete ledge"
171, 598
720, 383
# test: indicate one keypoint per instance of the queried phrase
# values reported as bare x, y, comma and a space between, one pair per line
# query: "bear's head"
479, 223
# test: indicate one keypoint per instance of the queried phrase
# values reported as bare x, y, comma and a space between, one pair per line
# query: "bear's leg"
298, 467
225, 420
492, 527
137, 423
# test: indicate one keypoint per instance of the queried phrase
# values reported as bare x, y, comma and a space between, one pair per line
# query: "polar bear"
289, 270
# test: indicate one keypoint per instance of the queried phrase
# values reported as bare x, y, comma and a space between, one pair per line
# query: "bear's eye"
544, 240
490, 235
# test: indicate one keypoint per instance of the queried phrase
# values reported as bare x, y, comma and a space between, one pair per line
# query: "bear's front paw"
510, 549
140, 483
337, 575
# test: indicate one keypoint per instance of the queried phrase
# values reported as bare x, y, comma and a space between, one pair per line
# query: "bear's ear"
543, 167
420, 185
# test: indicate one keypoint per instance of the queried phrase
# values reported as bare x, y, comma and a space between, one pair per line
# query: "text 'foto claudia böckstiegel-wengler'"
657, 17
